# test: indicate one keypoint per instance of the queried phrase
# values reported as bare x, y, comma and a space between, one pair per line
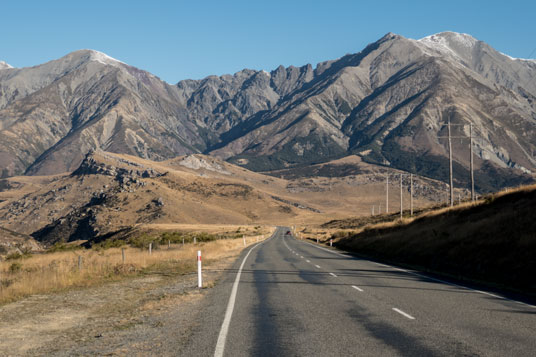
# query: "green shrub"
14, 256
15, 267
110, 243
142, 241
63, 247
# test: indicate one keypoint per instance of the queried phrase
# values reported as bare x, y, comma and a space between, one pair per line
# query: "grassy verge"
59, 270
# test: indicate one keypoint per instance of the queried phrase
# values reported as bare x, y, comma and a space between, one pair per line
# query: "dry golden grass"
45, 273
346, 229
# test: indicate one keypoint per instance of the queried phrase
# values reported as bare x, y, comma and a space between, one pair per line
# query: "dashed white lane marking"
333, 275
318, 266
357, 288
429, 278
222, 337
307, 260
301, 256
403, 313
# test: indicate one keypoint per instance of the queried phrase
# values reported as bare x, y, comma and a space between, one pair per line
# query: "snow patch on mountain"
452, 42
4, 65
103, 58
448, 43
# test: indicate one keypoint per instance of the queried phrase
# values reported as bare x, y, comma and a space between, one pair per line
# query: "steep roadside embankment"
493, 242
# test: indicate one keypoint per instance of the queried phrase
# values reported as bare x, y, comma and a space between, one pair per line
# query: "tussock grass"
56, 271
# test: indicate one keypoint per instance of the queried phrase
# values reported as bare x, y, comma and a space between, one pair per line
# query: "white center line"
333, 275
357, 288
318, 266
403, 313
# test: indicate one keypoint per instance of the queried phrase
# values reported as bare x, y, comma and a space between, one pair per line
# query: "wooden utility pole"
401, 196
411, 194
472, 167
387, 193
450, 169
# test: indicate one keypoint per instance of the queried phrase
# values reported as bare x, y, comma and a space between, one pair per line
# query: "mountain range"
388, 104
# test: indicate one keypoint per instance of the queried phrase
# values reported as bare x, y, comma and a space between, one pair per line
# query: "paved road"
297, 299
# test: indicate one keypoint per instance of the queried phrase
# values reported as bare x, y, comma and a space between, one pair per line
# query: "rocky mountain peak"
88, 55
449, 38
458, 46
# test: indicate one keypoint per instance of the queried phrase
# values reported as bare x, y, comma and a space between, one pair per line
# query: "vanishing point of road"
287, 297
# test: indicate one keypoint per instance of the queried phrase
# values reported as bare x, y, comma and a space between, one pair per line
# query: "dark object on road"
288, 232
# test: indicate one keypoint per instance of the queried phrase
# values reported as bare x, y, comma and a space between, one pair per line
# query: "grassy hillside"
493, 241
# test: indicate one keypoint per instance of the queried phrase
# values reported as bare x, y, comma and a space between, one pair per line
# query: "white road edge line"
403, 313
430, 278
333, 275
222, 337
357, 288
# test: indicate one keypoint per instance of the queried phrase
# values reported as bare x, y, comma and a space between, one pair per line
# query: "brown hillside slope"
492, 242
112, 194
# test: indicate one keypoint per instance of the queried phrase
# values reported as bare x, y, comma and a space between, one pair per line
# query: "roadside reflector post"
317, 239
168, 244
150, 248
183, 241
331, 242
199, 274
244, 239
195, 240
123, 254
79, 262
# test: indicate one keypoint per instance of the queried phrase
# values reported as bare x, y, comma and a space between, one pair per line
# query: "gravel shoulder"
148, 315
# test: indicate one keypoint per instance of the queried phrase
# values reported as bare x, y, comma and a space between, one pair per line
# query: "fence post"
199, 274
123, 254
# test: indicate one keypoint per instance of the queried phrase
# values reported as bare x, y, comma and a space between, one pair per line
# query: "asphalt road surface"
287, 297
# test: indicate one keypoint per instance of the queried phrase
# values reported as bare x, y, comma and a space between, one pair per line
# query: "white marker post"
331, 242
199, 274
244, 239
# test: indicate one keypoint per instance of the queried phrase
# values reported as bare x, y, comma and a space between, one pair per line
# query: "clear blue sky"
191, 39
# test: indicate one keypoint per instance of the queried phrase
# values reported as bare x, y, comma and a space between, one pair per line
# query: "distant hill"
110, 195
